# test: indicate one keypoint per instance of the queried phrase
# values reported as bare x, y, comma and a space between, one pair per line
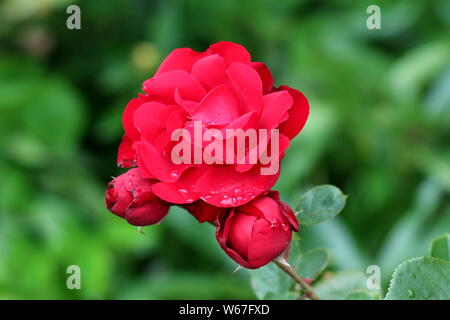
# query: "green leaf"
360, 294
337, 286
320, 204
421, 278
440, 247
312, 263
270, 282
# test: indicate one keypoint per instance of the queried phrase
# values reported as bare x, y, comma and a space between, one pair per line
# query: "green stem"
306, 288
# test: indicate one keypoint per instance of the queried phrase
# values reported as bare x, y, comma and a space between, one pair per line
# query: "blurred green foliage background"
379, 129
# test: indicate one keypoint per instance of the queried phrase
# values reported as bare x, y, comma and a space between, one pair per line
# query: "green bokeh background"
379, 129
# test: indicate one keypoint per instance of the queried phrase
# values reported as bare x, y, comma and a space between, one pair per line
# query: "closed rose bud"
130, 196
258, 232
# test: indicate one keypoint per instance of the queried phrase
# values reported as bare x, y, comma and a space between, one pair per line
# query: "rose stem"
288, 269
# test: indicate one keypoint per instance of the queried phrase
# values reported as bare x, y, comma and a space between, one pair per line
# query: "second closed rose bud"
258, 232
131, 197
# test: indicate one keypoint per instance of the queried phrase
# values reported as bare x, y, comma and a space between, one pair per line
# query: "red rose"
130, 196
258, 232
223, 89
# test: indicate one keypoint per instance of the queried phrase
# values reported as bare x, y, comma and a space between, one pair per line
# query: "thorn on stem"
237, 269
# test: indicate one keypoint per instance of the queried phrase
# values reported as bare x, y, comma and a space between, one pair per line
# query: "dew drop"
174, 174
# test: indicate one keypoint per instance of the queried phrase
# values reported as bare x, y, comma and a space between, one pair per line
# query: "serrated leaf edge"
401, 265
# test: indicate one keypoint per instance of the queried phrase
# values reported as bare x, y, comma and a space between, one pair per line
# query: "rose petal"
275, 105
298, 113
230, 52
180, 191
247, 85
239, 236
220, 106
146, 119
222, 234
159, 164
286, 210
232, 189
179, 59
147, 214
210, 71
162, 86
266, 76
268, 242
128, 118
126, 155
264, 207
187, 105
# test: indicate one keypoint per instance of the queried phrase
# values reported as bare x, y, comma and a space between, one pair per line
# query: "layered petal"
275, 106
162, 87
230, 52
219, 107
240, 233
210, 71
182, 190
160, 164
298, 113
247, 85
233, 188
128, 118
179, 59
268, 242
126, 155
265, 75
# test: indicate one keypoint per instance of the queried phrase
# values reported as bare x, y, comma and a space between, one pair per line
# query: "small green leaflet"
320, 204
440, 247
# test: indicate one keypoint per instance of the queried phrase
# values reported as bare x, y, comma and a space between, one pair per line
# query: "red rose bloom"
258, 232
130, 197
223, 89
